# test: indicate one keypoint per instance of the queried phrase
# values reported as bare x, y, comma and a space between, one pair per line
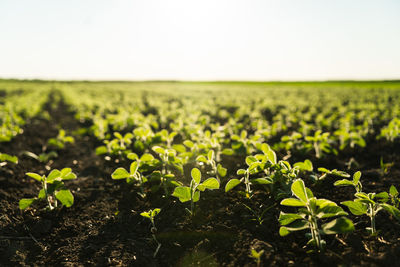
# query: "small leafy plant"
151, 214
367, 203
192, 193
61, 139
256, 255
53, 189
310, 211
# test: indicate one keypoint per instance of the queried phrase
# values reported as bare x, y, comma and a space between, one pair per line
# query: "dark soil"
104, 226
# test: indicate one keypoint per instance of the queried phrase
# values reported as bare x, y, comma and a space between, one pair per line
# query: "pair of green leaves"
192, 193
310, 210
52, 185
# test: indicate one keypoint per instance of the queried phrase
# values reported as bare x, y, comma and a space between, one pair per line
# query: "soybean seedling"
53, 189
192, 193
367, 203
394, 196
61, 139
151, 214
216, 168
310, 211
256, 255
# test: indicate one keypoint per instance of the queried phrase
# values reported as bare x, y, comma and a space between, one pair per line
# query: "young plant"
53, 189
367, 204
256, 255
310, 211
385, 167
151, 214
192, 193
216, 168
134, 175
355, 182
321, 144
61, 139
370, 204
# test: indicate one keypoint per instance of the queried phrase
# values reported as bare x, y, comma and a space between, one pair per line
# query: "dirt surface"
104, 226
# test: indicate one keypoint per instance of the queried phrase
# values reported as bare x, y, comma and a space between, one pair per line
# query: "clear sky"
200, 40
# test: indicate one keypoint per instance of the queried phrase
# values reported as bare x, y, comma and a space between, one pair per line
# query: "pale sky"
200, 40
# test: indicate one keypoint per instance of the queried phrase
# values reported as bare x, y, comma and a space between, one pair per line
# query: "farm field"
199, 173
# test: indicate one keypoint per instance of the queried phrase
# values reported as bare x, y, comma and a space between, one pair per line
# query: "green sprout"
151, 214
53, 189
310, 211
192, 193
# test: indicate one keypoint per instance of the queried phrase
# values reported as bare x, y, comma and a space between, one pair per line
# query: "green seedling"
4, 158
42, 157
151, 214
355, 182
217, 170
192, 193
259, 216
256, 255
134, 175
310, 211
385, 167
117, 146
61, 139
53, 189
321, 144
325, 172
370, 204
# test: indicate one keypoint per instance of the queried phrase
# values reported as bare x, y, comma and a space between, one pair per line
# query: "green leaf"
134, 167
343, 182
25, 203
132, 156
211, 183
241, 172
356, 207
250, 160
145, 214
299, 190
35, 176
101, 150
146, 157
271, 156
231, 184
356, 177
228, 152
183, 193
196, 196
67, 174
330, 211
54, 174
188, 143
201, 158
66, 198
155, 212
120, 173
210, 155
393, 191
196, 175
297, 225
338, 226
287, 218
392, 210
158, 149
262, 181
293, 202
221, 170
